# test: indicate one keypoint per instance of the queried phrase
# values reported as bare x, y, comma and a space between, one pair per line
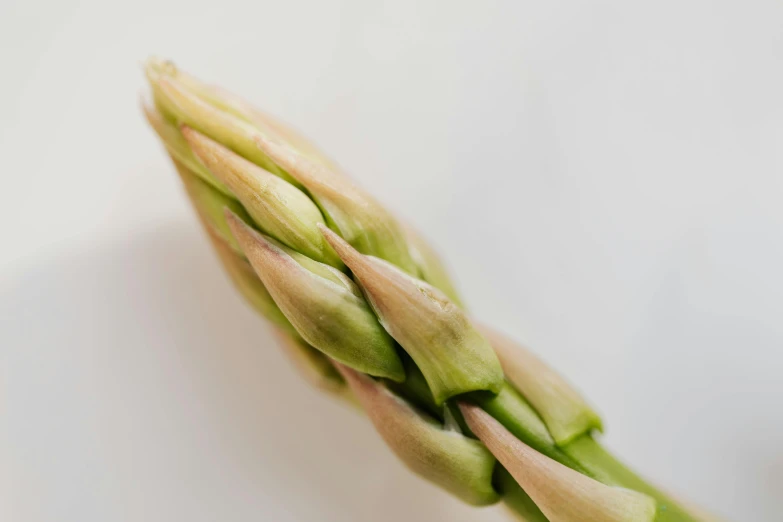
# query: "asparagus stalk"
367, 311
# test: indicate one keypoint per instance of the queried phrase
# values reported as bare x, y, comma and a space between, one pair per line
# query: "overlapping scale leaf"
324, 306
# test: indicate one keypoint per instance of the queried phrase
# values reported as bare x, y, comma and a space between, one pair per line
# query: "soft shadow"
141, 388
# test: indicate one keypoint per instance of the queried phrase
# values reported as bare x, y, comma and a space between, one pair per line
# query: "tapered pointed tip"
236, 223
346, 252
166, 84
302, 169
233, 220
190, 134
344, 370
329, 316
155, 68
202, 146
259, 249
470, 411
333, 239
243, 233
266, 142
455, 462
357, 381
479, 421
453, 356
548, 482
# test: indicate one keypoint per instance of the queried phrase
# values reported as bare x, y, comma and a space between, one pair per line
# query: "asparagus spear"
367, 311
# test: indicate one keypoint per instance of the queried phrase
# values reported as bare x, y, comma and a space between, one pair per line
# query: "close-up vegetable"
366, 309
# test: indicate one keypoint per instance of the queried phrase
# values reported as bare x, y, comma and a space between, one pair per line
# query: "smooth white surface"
605, 179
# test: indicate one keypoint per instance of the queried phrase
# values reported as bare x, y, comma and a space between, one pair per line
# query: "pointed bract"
236, 106
210, 204
289, 135
513, 411
562, 494
350, 211
182, 105
277, 207
325, 311
178, 148
451, 353
248, 284
564, 411
460, 465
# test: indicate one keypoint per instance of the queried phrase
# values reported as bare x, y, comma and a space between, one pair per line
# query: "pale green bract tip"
322, 305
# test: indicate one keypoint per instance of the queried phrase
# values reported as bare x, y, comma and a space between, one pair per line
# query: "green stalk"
603, 466
583, 454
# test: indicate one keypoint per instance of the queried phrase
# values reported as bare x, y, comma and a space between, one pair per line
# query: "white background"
604, 177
